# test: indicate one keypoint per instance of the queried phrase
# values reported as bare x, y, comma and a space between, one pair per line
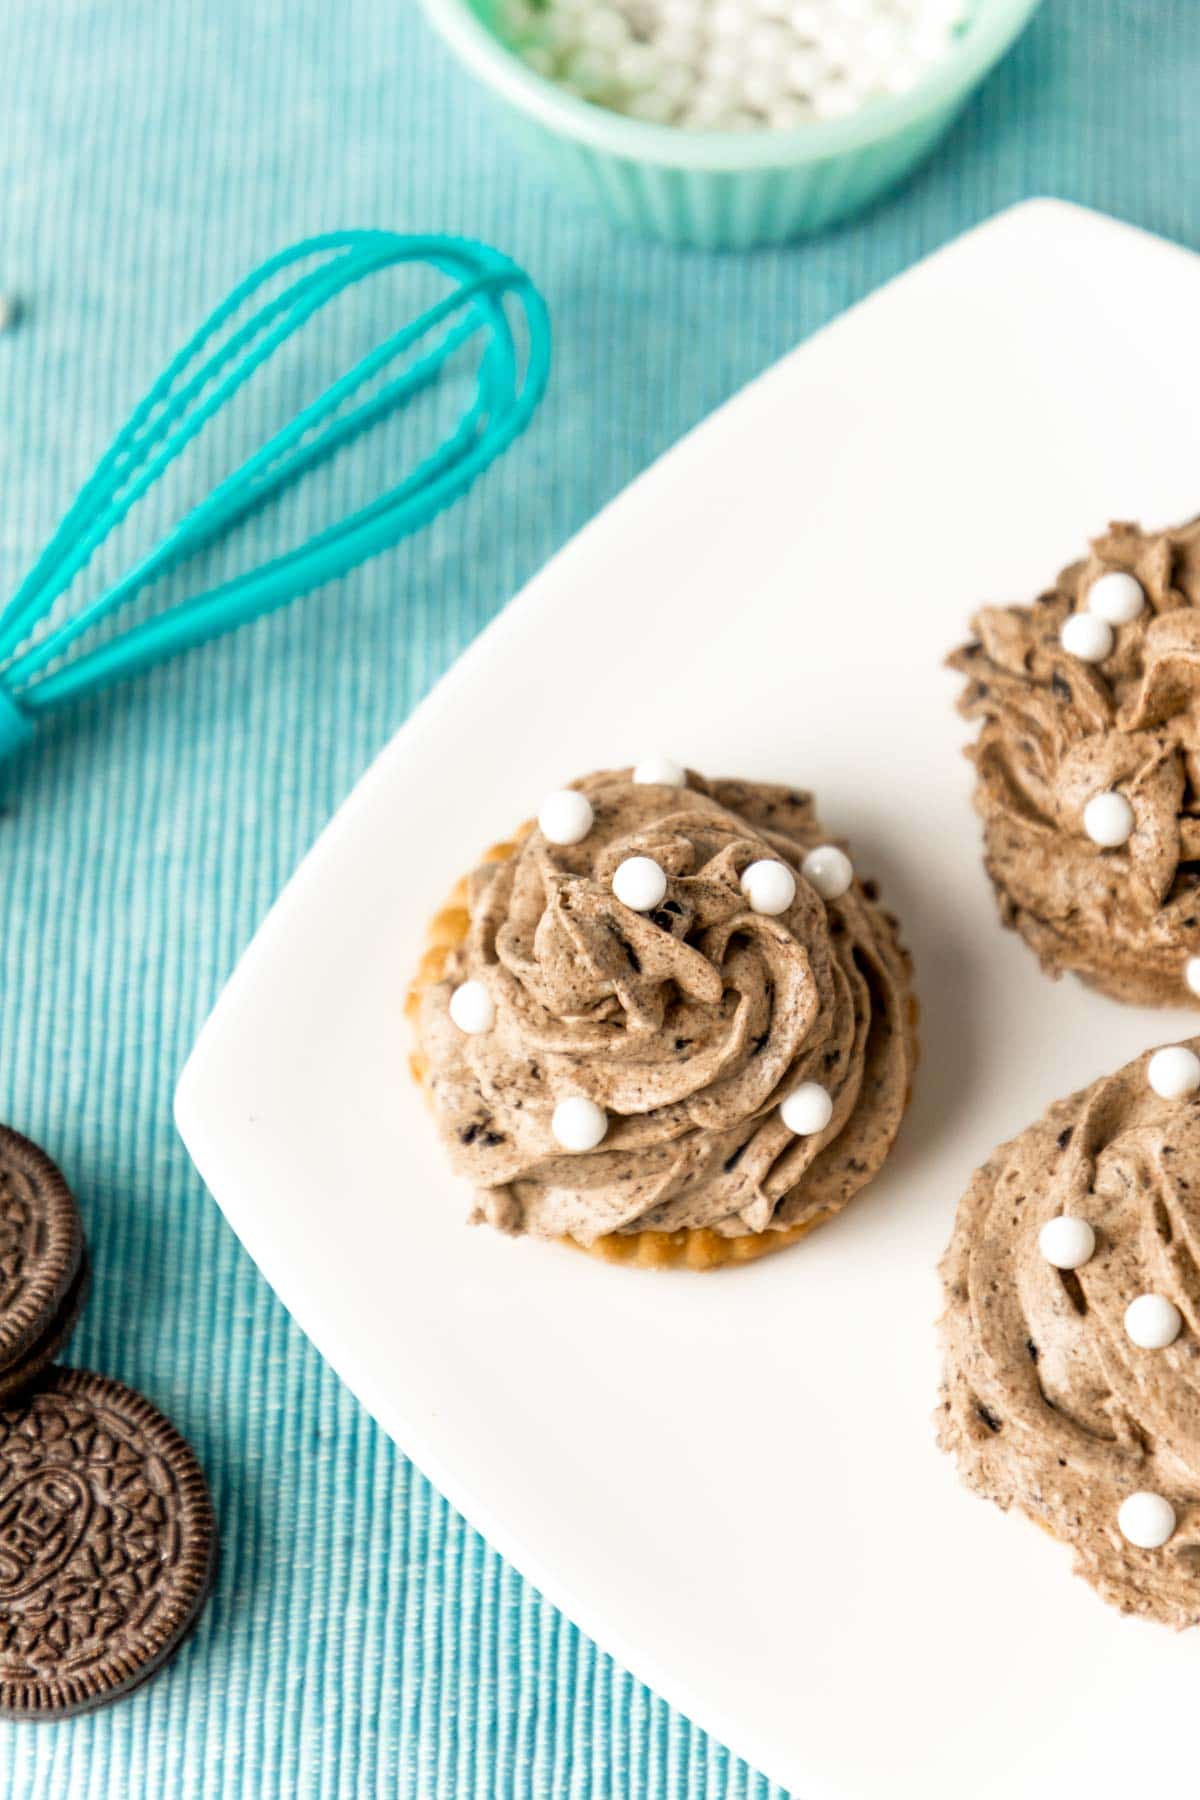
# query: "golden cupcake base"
696, 1247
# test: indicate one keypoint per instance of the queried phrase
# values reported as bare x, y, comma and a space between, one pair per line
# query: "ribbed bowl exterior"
719, 190
732, 209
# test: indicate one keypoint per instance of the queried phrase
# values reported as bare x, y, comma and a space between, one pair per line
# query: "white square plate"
729, 1481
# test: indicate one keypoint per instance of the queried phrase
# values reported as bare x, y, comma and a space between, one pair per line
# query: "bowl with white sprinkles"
730, 123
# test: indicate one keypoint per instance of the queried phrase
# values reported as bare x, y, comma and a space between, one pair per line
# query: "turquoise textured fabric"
362, 1641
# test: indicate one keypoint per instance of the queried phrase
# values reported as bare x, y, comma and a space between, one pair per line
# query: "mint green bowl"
721, 190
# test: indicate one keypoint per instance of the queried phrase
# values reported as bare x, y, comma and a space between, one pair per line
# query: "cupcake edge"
694, 1247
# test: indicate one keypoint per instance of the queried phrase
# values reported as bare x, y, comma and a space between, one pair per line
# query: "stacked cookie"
43, 1263
107, 1538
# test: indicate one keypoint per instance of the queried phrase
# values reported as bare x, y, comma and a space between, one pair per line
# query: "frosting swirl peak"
1063, 1393
1088, 763
687, 1024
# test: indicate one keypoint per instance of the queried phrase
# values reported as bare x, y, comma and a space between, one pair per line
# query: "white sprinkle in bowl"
726, 190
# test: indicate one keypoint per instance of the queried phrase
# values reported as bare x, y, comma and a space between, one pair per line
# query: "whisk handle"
16, 727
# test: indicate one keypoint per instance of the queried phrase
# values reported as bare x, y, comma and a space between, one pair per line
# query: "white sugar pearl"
807, 1109
1152, 1321
566, 817
829, 870
880, 40
770, 887
675, 85
660, 771
590, 72
834, 99
686, 13
1116, 597
1086, 636
472, 1008
1174, 1073
579, 1124
901, 75
707, 109
637, 66
723, 68
1108, 820
789, 113
603, 30
1146, 1520
639, 883
514, 18
538, 58
764, 44
558, 31
1191, 973
806, 19
762, 87
679, 44
1066, 1242
651, 107
802, 70
727, 19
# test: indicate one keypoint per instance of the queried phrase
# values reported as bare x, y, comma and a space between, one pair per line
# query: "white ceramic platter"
729, 1481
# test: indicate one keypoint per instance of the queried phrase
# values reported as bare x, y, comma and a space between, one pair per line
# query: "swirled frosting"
688, 1025
1047, 1403
1056, 731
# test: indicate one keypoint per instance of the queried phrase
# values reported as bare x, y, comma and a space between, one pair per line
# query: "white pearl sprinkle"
579, 1124
566, 816
472, 1008
780, 63
1067, 1242
770, 887
660, 771
1174, 1072
762, 87
639, 883
652, 107
829, 870
1152, 1322
789, 114
726, 20
1191, 973
1116, 597
1086, 637
807, 1109
540, 59
1108, 820
1146, 1520
603, 30
764, 44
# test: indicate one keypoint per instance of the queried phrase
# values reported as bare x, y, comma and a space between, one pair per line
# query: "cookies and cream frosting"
676, 1029
1072, 1332
1088, 763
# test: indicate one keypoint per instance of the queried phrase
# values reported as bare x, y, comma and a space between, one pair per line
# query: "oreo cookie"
52, 1340
107, 1544
43, 1271
41, 1243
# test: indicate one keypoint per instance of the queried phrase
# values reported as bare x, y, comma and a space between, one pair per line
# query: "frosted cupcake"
1072, 1356
667, 1024
1088, 764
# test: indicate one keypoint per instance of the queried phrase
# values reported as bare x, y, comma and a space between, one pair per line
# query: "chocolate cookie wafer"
25, 1369
107, 1544
43, 1275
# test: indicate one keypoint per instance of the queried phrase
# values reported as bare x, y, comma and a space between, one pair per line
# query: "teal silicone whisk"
46, 661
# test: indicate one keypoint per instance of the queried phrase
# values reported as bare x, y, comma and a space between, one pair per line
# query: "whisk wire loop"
198, 382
